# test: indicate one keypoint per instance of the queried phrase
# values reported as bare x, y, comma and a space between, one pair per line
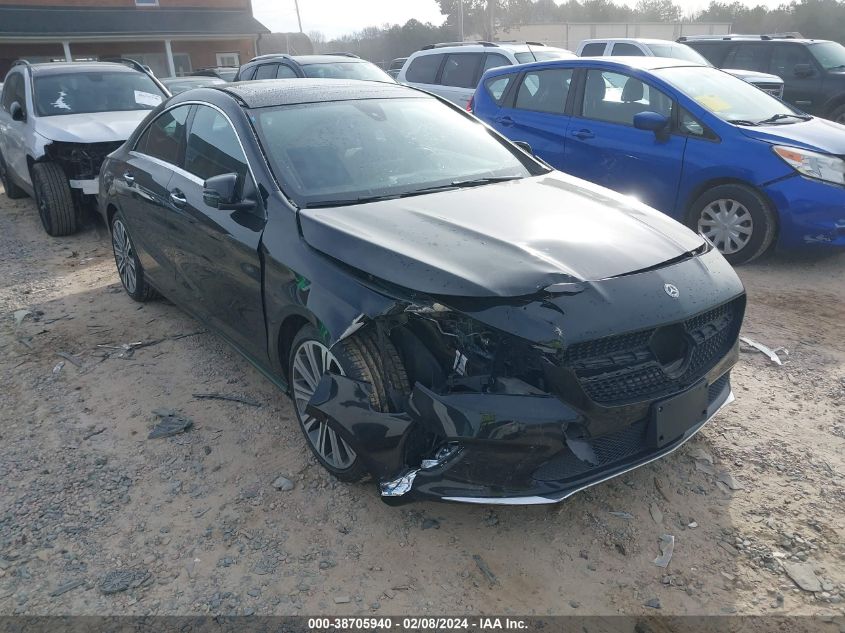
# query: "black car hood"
500, 240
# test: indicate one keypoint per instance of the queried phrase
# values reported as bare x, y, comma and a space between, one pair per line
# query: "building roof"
25, 22
276, 92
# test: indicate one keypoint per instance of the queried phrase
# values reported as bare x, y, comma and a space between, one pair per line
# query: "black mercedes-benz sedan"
448, 314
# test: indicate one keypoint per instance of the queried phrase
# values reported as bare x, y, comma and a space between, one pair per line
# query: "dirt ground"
193, 524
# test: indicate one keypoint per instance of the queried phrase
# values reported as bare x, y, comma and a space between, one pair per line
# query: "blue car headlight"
812, 164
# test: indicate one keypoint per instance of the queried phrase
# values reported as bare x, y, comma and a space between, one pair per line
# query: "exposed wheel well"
290, 326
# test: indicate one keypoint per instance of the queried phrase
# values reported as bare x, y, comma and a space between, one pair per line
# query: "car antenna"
531, 50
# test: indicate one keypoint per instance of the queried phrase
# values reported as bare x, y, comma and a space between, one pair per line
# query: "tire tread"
49, 180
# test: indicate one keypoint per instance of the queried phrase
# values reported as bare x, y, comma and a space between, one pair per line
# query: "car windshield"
535, 55
354, 151
90, 92
731, 99
831, 55
346, 70
678, 51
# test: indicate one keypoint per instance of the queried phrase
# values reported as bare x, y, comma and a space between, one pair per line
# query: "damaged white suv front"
58, 122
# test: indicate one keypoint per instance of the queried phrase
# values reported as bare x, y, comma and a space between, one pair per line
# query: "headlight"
813, 164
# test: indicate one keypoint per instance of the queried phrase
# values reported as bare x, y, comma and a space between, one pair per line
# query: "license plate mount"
670, 418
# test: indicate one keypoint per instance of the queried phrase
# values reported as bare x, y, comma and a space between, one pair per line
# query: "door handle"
505, 120
583, 134
178, 198
128, 178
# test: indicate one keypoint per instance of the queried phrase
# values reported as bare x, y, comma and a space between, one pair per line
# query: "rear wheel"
360, 356
128, 265
54, 199
736, 219
12, 190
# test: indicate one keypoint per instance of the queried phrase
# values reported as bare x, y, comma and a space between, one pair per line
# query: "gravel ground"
95, 518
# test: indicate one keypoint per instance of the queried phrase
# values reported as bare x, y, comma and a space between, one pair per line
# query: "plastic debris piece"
656, 514
726, 478
172, 423
73, 359
20, 315
667, 546
122, 579
68, 586
768, 351
58, 368
802, 574
398, 486
485, 569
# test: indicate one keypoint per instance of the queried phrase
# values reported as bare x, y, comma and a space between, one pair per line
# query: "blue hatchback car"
743, 168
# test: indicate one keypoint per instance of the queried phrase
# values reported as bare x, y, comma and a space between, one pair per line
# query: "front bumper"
812, 212
89, 187
502, 448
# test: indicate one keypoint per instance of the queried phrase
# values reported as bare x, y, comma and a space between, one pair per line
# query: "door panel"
603, 145
537, 114
805, 92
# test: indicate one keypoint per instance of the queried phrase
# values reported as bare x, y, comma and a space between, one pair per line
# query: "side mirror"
803, 70
221, 192
651, 121
525, 147
17, 111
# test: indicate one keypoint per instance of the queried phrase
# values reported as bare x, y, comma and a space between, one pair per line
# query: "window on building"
228, 59
146, 3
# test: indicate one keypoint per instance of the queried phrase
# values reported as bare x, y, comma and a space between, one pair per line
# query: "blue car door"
603, 145
535, 112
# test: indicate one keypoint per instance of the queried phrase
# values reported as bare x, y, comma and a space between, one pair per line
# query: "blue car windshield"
350, 151
731, 99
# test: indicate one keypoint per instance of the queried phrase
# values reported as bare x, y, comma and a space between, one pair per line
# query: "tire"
54, 200
129, 267
13, 192
838, 114
361, 356
749, 224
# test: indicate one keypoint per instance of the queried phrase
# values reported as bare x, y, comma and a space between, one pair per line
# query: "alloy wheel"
728, 224
311, 361
124, 256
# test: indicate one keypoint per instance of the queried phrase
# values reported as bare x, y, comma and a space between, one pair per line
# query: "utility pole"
462, 19
298, 18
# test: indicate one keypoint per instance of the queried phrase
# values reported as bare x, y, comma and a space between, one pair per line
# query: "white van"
641, 47
452, 69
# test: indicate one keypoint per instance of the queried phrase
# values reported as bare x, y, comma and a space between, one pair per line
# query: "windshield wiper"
742, 122
779, 117
457, 184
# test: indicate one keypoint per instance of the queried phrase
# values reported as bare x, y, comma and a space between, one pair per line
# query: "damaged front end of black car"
527, 400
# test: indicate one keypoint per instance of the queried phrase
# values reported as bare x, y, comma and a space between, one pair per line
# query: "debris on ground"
172, 423
94, 432
667, 546
428, 524
729, 480
656, 514
652, 603
802, 574
73, 359
622, 515
119, 580
485, 569
20, 315
223, 396
699, 453
768, 351
58, 368
283, 484
705, 467
342, 600
68, 586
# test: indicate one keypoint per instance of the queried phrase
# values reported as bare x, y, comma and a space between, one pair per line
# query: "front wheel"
128, 265
54, 199
361, 357
737, 219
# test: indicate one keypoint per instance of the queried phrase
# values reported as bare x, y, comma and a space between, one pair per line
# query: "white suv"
58, 121
641, 47
452, 69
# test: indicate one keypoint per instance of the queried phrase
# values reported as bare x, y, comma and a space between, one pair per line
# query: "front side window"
749, 57
594, 49
461, 70
165, 136
544, 90
13, 90
285, 72
617, 98
213, 148
91, 92
629, 50
346, 151
786, 57
423, 70
266, 71
831, 55
729, 98
346, 70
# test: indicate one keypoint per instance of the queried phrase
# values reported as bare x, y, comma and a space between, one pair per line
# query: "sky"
339, 17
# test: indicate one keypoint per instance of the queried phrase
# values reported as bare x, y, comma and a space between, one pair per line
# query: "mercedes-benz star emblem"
672, 290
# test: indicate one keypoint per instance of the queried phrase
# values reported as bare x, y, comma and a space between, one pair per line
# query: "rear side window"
461, 70
13, 90
544, 90
165, 136
750, 57
266, 71
423, 70
213, 148
595, 49
713, 52
623, 48
494, 60
285, 72
497, 86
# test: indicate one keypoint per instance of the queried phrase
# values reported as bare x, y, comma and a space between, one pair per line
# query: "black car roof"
275, 92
